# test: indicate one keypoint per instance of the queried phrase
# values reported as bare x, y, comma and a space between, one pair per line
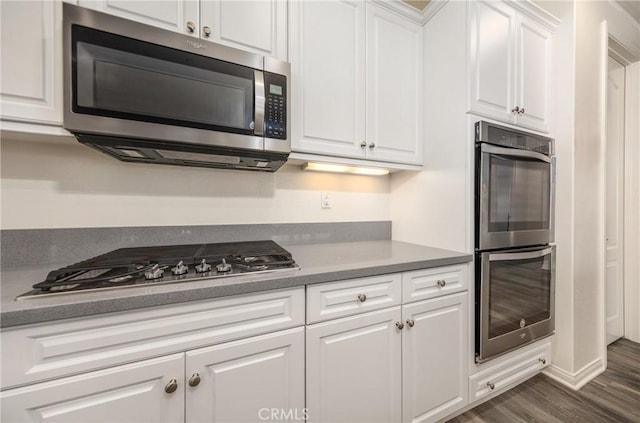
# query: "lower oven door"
515, 295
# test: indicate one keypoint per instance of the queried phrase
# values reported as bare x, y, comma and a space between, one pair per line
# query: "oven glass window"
519, 194
119, 77
519, 293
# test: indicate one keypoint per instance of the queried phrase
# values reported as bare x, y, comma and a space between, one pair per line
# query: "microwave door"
515, 194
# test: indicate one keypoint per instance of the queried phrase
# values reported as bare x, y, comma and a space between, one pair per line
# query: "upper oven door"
125, 79
514, 197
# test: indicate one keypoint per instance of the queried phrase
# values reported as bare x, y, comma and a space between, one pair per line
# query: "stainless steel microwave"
143, 94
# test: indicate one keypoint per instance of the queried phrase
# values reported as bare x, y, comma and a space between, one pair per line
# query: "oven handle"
521, 256
259, 102
487, 148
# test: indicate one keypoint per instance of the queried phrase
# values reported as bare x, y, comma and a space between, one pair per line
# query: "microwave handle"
521, 256
492, 149
259, 102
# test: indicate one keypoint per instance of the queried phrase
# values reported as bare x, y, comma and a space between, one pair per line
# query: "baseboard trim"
578, 379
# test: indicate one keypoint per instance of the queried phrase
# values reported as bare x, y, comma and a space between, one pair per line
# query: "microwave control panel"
275, 122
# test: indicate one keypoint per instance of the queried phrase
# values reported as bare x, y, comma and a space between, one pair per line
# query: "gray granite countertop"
318, 262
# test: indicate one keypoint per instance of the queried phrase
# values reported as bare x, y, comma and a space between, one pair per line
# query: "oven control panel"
275, 122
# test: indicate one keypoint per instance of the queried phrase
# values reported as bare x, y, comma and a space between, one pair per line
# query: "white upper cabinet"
328, 77
174, 15
509, 65
356, 78
31, 77
394, 87
259, 26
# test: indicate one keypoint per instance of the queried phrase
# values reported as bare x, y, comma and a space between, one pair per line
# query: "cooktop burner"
142, 266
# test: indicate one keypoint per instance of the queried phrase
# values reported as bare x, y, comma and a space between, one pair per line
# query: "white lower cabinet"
354, 368
247, 380
434, 357
134, 392
404, 363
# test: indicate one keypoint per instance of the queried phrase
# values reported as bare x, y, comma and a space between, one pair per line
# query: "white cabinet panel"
241, 379
168, 14
130, 393
492, 27
354, 368
31, 56
394, 87
533, 86
259, 26
434, 357
430, 283
328, 76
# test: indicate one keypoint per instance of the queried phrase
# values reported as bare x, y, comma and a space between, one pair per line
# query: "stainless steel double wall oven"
514, 225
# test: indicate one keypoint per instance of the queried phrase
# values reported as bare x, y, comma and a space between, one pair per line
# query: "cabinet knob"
194, 380
521, 111
441, 283
542, 360
491, 386
171, 387
400, 325
362, 298
410, 323
191, 27
372, 146
363, 144
515, 110
206, 31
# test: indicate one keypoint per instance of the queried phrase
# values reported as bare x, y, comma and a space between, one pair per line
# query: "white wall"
63, 184
579, 350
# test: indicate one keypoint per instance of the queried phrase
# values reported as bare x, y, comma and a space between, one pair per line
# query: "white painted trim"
300, 158
601, 332
536, 13
578, 379
432, 9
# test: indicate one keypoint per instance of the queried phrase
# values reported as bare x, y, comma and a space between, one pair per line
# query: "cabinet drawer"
45, 351
509, 373
345, 298
430, 283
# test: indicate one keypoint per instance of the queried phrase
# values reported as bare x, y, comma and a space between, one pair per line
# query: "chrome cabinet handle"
521, 111
441, 283
543, 361
515, 110
410, 323
491, 386
206, 31
194, 380
400, 325
171, 387
362, 298
372, 146
363, 144
191, 27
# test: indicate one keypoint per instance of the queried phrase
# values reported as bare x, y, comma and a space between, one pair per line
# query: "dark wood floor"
613, 396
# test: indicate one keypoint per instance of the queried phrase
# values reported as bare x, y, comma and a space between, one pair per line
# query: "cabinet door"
534, 50
394, 87
354, 368
492, 27
168, 14
242, 381
31, 55
327, 53
256, 25
434, 358
130, 393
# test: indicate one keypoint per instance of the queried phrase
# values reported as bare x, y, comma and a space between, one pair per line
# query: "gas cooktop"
142, 266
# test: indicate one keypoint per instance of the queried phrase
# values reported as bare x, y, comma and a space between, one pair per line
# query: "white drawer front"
338, 299
430, 283
45, 351
509, 373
